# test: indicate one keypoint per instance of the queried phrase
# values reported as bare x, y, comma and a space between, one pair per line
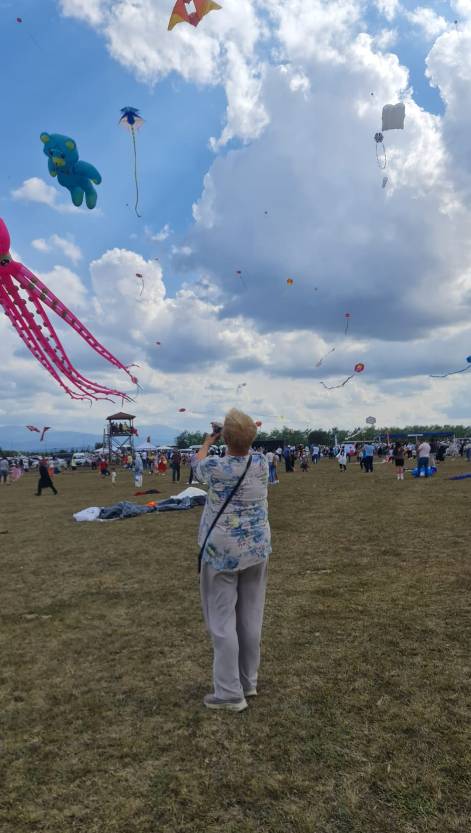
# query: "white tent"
146, 447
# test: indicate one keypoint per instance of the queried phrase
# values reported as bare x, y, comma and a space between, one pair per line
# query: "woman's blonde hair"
239, 431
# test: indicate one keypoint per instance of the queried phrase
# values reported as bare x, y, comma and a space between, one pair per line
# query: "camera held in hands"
216, 428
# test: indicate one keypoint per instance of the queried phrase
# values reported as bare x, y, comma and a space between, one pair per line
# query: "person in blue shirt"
368, 454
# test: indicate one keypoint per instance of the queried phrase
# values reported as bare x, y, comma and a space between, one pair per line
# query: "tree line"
310, 436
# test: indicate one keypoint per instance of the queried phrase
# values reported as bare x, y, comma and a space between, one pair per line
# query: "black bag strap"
223, 509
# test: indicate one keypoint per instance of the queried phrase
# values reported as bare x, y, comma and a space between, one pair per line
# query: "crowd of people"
180, 462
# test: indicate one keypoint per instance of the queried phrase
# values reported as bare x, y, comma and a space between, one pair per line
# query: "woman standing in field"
235, 543
398, 456
342, 459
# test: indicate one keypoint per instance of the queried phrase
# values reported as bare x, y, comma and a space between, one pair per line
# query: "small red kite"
192, 15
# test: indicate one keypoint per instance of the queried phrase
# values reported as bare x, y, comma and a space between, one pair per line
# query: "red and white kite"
191, 11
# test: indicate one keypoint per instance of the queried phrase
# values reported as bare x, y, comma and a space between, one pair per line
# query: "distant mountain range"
14, 438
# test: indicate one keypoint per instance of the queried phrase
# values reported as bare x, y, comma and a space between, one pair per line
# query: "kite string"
136, 180
325, 356
334, 387
452, 373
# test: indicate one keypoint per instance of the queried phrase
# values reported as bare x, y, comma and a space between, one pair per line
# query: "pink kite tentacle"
29, 338
57, 355
32, 332
31, 283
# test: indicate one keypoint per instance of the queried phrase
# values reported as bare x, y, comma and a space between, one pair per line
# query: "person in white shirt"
342, 459
423, 455
271, 460
315, 454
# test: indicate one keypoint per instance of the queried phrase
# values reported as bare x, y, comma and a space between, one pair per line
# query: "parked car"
79, 459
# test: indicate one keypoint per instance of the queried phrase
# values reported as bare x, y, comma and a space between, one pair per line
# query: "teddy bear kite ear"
44, 138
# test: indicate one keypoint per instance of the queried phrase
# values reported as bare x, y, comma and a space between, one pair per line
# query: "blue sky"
79, 92
264, 105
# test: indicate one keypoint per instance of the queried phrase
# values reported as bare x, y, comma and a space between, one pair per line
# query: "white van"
79, 459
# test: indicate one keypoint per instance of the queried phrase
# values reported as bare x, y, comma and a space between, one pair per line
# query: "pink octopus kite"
40, 336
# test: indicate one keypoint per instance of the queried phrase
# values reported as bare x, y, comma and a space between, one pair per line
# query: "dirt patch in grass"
362, 723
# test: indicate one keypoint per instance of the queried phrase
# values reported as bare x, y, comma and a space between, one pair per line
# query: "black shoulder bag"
223, 509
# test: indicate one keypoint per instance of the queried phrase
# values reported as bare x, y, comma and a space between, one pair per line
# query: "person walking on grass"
104, 472
288, 458
342, 459
235, 544
4, 470
398, 457
138, 471
368, 455
45, 481
176, 463
272, 460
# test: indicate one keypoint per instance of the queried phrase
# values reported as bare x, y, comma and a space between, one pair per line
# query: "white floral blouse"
241, 537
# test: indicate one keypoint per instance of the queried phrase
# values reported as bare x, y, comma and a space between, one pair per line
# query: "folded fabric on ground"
460, 477
191, 491
125, 509
147, 492
90, 514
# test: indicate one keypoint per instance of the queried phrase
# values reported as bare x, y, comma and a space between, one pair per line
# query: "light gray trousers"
233, 604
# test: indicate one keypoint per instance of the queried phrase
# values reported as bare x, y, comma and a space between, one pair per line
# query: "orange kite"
181, 14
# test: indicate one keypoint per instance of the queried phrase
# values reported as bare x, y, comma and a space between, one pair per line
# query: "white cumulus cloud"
427, 19
36, 190
63, 244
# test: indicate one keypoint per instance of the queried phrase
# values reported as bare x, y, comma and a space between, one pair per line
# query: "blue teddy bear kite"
63, 162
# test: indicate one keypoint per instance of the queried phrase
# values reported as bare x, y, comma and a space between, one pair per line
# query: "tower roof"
120, 415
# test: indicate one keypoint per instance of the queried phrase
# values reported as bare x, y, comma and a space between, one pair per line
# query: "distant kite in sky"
158, 343
132, 121
72, 173
392, 119
141, 278
33, 39
242, 385
290, 281
453, 372
191, 11
39, 431
258, 423
239, 273
41, 338
359, 368
347, 317
181, 410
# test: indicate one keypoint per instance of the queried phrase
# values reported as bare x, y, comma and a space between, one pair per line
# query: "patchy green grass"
363, 720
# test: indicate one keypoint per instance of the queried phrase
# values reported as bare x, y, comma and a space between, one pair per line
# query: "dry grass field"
362, 724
